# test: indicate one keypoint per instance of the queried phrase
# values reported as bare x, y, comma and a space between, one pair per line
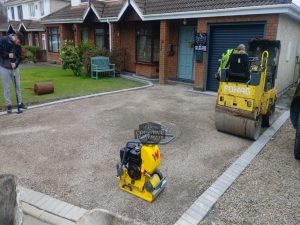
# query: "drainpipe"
110, 42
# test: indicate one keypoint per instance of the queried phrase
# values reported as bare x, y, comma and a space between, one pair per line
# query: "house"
159, 36
80, 21
25, 16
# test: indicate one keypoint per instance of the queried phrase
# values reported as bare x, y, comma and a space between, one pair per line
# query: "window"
20, 12
53, 40
84, 33
31, 10
44, 41
36, 39
29, 39
147, 44
99, 38
42, 6
84, 0
12, 11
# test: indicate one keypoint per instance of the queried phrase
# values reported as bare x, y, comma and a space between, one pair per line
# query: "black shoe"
9, 109
22, 106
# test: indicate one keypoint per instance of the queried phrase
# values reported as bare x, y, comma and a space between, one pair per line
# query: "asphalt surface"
69, 151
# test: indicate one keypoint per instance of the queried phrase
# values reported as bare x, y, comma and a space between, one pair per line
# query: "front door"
186, 53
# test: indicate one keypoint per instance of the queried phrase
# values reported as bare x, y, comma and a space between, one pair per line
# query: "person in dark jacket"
10, 58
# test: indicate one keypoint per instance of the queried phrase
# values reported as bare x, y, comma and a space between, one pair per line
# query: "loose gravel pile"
269, 190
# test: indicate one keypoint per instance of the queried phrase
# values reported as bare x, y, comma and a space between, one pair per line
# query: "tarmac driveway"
69, 151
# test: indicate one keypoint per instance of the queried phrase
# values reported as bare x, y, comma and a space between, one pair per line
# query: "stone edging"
42, 206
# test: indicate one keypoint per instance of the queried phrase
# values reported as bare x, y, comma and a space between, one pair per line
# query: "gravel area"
268, 192
70, 151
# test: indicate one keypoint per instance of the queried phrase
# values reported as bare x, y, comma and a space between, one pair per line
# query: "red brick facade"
149, 70
124, 36
173, 58
73, 32
164, 59
127, 41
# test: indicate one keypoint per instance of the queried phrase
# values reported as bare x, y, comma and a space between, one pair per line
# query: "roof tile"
67, 13
170, 6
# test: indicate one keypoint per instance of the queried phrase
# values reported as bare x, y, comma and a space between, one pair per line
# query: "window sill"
147, 63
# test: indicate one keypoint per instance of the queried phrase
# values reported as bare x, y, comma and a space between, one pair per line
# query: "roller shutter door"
223, 37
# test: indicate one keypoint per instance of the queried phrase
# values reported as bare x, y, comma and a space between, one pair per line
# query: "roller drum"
237, 125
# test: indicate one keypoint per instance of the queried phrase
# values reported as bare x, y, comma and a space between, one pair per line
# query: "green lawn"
65, 85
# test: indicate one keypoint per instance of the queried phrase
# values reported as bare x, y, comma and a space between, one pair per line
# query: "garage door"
223, 37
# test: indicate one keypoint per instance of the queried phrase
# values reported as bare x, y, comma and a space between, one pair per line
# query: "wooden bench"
100, 64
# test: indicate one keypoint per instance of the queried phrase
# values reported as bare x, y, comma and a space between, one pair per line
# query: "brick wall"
270, 33
115, 34
147, 70
40, 40
124, 36
127, 41
53, 56
77, 34
164, 58
173, 59
67, 32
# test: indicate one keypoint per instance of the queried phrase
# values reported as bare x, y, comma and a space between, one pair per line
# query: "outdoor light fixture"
184, 22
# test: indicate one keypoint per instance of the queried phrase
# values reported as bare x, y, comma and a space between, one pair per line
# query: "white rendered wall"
289, 35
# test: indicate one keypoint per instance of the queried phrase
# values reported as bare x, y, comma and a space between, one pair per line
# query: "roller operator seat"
239, 68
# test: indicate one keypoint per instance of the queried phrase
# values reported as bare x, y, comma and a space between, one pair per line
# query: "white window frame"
22, 16
42, 7
12, 12
44, 42
31, 8
29, 39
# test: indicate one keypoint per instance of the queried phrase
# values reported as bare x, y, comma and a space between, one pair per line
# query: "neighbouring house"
25, 16
2, 12
80, 21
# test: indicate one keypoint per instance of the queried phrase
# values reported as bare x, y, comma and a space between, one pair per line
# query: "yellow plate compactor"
247, 94
138, 168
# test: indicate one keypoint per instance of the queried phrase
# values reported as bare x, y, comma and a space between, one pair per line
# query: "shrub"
31, 52
30, 56
86, 58
84, 47
117, 57
70, 58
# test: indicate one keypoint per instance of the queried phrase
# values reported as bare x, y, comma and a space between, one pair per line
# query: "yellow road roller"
247, 94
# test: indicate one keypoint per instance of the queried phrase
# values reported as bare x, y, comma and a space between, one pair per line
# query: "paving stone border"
201, 207
53, 206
